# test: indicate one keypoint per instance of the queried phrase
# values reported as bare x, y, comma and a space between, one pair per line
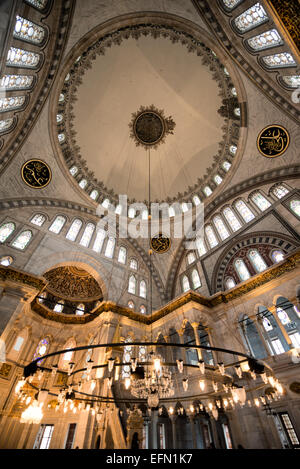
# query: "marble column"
195, 326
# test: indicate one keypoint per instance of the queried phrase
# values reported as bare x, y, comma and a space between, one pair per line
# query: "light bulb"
202, 384
210, 406
157, 365
192, 409
272, 381
256, 402
127, 383
171, 410
225, 403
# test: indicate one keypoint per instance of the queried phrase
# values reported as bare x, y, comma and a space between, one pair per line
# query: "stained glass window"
226, 165
132, 284
16, 82
244, 210
38, 219
83, 183
22, 58
221, 228
80, 309
59, 118
196, 200
41, 349
105, 203
142, 352
191, 258
87, 234
39, 4
233, 91
57, 224
130, 304
61, 98
22, 240
267, 325
143, 309
94, 194
230, 283
61, 138
230, 4
237, 112
211, 237
74, 230
231, 219
241, 269
295, 206
59, 306
283, 316
207, 191
200, 246
133, 264
257, 260
14, 102
143, 289
74, 170
171, 212
99, 240
28, 31
265, 40
196, 279
280, 191
277, 255
185, 284
122, 255
218, 179
293, 81
6, 124
251, 18
284, 59
6, 260
110, 247
6, 230
261, 202
128, 350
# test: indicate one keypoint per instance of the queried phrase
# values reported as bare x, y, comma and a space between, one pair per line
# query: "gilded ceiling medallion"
160, 243
71, 282
149, 127
273, 141
36, 174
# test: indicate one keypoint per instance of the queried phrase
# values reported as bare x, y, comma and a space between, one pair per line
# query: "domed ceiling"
101, 98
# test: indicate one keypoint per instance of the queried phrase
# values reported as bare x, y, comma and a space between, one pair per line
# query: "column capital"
195, 324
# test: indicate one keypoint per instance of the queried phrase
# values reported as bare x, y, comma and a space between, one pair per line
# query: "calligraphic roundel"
273, 141
36, 173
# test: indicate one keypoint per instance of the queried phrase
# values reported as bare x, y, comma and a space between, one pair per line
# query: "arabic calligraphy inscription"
36, 174
273, 141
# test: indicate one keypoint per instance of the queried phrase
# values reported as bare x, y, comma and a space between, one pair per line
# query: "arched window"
184, 207
94, 194
267, 325
6, 260
15, 351
211, 237
251, 18
67, 357
74, 170
74, 229
42, 297
260, 201
185, 284
133, 264
130, 304
226, 166
143, 309
231, 219
280, 191
110, 247
143, 289
190, 258
241, 269
122, 255
128, 351
98, 243
105, 203
87, 235
83, 183
277, 255
265, 40
171, 212
38, 4
118, 210
244, 211
6, 230
22, 58
233, 148
132, 284
196, 279
230, 283
295, 206
196, 200
207, 191
252, 338
22, 240
38, 219
218, 179
221, 228
6, 124
200, 246
80, 309
282, 316
142, 353
28, 31
59, 306
257, 260
41, 349
57, 224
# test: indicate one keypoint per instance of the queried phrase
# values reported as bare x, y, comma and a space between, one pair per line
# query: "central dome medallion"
150, 127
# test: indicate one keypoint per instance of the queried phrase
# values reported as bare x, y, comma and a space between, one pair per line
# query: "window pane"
28, 31
185, 283
257, 260
83, 183
6, 260
110, 247
133, 264
16, 82
14, 102
41, 349
196, 279
99, 240
132, 284
218, 179
241, 269
200, 246
6, 230
226, 165
5, 124
295, 338
280, 191
94, 194
232, 219
39, 4
284, 59
244, 211
57, 224
74, 170
230, 283
267, 39
87, 235
267, 325
143, 289
22, 240
295, 207
207, 191
293, 81
211, 237
122, 255
277, 256
196, 200
277, 345
191, 258
221, 228
22, 58
38, 219
251, 18
80, 310
18, 343
261, 202
283, 316
74, 230
230, 4
59, 307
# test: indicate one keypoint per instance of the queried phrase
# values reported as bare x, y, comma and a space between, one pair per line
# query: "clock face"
36, 174
273, 141
160, 243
